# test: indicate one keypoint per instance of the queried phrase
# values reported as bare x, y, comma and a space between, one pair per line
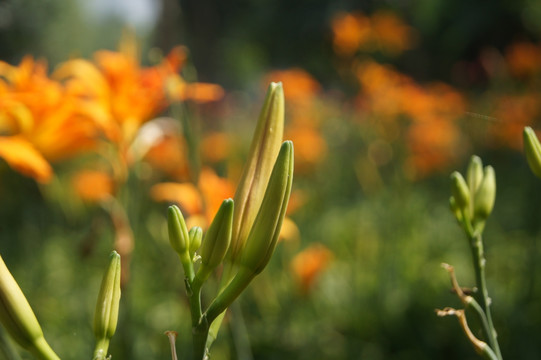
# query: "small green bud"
18, 318
218, 237
485, 195
263, 237
460, 190
475, 173
263, 151
455, 209
196, 236
106, 315
532, 148
178, 232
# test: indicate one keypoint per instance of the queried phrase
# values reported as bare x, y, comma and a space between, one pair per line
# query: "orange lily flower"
309, 264
39, 121
201, 202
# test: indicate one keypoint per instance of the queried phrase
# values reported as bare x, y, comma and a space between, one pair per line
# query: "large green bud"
264, 234
265, 146
107, 306
18, 318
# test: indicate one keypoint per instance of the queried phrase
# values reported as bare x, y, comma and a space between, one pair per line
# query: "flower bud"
106, 315
218, 236
532, 148
178, 232
474, 173
18, 318
460, 190
264, 234
485, 195
265, 146
196, 236
455, 209
266, 229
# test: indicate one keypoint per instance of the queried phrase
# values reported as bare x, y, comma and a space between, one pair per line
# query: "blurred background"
111, 110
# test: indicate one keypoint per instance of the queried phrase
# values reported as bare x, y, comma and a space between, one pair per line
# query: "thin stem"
479, 262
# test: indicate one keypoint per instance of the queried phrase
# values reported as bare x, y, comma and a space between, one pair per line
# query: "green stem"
199, 335
200, 326
42, 350
479, 264
229, 294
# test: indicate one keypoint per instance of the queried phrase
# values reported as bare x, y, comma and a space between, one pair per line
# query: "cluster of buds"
472, 200
245, 230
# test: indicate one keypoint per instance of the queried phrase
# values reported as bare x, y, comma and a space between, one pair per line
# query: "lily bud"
106, 315
18, 318
178, 232
455, 209
265, 146
266, 229
485, 195
532, 148
196, 236
475, 173
218, 237
264, 234
460, 190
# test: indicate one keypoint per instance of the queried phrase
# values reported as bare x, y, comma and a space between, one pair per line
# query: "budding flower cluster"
472, 200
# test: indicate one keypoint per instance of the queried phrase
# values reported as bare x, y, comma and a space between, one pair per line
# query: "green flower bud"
485, 195
218, 237
460, 190
265, 146
264, 234
106, 315
18, 318
196, 236
178, 232
532, 148
475, 173
455, 209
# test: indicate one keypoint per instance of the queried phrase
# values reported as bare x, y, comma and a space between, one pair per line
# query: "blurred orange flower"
92, 185
310, 146
203, 200
350, 32
432, 134
215, 147
523, 59
309, 264
48, 123
299, 85
383, 31
513, 113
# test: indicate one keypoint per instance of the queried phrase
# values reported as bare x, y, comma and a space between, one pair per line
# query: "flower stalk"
472, 202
